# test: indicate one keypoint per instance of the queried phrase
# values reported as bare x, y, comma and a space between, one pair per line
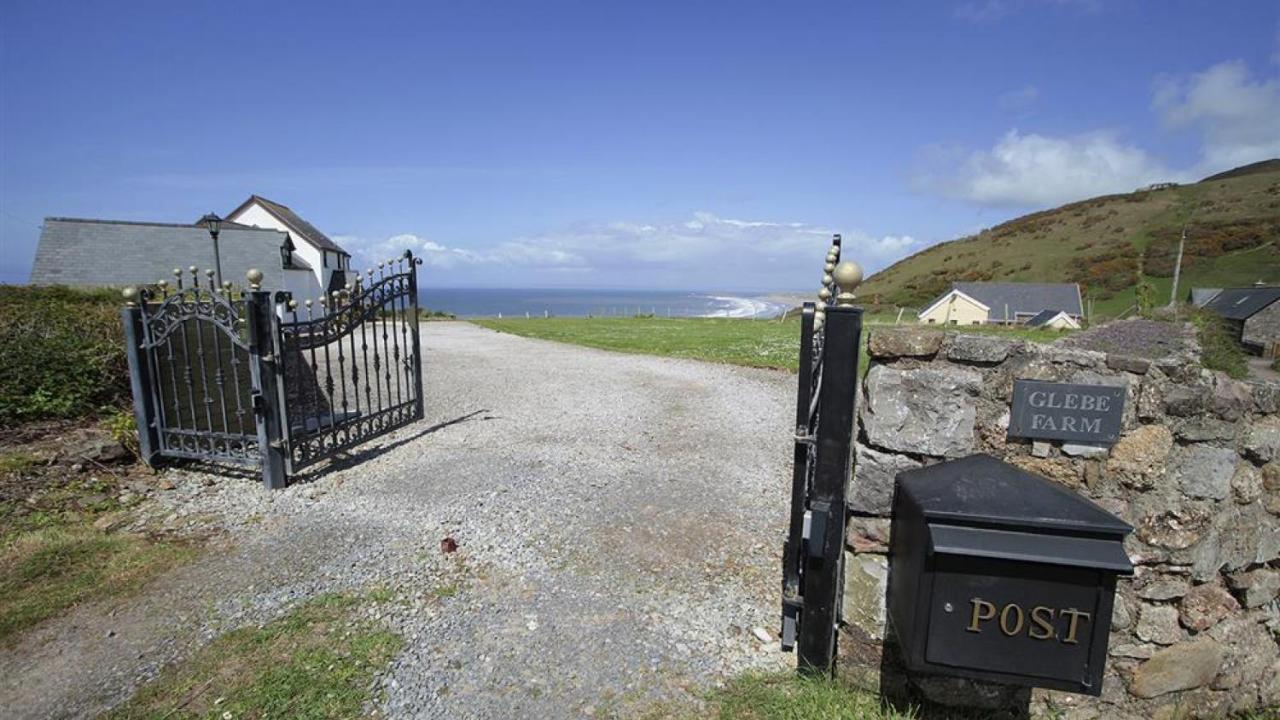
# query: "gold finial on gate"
130, 296
848, 275
293, 304
226, 286
827, 279
824, 294
254, 276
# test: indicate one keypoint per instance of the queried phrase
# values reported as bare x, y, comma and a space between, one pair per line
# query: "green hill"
1108, 243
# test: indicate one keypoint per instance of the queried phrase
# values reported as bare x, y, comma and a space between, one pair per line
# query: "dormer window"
286, 251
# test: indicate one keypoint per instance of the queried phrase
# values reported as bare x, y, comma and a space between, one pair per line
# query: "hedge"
61, 353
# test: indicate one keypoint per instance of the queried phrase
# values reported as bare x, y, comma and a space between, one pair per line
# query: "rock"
1151, 398
1164, 589
1205, 606
166, 484
1230, 398
1120, 619
111, 522
1040, 448
1271, 487
1246, 483
865, 581
1266, 398
927, 411
1131, 650
1250, 651
871, 489
1128, 363
1059, 470
1256, 587
978, 349
1176, 528
1181, 667
98, 448
888, 343
867, 534
1082, 450
1158, 624
1138, 459
762, 635
1262, 439
1204, 470
1203, 429
1185, 400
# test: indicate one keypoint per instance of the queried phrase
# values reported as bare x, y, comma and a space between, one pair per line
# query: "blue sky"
684, 145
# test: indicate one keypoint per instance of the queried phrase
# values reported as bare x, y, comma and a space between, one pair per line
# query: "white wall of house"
256, 216
303, 284
954, 309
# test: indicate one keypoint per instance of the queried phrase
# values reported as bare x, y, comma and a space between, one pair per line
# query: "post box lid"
1072, 551
981, 490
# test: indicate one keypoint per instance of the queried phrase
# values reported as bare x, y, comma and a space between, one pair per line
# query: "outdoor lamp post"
214, 224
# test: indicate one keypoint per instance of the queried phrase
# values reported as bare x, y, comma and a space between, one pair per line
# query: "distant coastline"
516, 302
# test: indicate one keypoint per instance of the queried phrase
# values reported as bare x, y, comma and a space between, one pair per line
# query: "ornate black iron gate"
243, 377
826, 404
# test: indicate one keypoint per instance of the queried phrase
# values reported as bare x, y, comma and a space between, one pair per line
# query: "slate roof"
282, 212
1242, 303
1024, 298
77, 251
1043, 317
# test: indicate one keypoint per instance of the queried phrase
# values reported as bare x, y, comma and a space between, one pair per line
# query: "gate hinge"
258, 402
802, 435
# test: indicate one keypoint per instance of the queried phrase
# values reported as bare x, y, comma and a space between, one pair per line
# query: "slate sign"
1062, 411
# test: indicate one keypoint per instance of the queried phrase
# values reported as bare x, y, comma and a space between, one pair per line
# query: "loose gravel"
618, 521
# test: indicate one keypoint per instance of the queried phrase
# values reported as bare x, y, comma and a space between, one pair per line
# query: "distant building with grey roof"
291, 253
979, 303
1252, 314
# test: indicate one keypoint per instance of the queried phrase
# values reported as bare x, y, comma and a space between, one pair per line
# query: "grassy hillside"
1108, 244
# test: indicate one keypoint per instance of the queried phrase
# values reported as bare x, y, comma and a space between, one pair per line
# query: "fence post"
263, 364
419, 410
144, 411
833, 469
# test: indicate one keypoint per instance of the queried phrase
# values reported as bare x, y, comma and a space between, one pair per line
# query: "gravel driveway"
618, 518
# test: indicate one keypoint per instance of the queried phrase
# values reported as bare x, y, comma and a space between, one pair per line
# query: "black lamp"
214, 224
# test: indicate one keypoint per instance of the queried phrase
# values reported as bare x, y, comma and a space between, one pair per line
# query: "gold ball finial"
163, 284
827, 279
829, 266
226, 285
254, 276
193, 270
824, 294
177, 272
848, 275
208, 272
293, 304
130, 296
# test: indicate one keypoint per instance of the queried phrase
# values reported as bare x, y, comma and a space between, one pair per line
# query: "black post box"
1001, 575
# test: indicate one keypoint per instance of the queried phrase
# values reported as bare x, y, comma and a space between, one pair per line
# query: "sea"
511, 302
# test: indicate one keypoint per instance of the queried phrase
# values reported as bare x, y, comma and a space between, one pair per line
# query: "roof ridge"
150, 223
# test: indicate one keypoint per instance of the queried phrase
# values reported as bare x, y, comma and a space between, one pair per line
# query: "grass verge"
316, 662
788, 696
754, 343
44, 572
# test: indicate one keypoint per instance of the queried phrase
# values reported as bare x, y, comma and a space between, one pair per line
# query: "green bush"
61, 353
1219, 348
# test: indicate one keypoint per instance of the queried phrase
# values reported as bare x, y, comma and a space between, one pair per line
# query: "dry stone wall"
1196, 472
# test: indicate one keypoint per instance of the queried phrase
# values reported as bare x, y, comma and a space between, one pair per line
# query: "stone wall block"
905, 341
1205, 606
1183, 666
1204, 429
1158, 624
871, 490
1231, 399
1151, 396
1246, 483
979, 349
1139, 458
1204, 471
1262, 439
1175, 528
867, 534
1256, 587
1186, 400
1249, 653
1266, 398
926, 410
866, 580
1128, 363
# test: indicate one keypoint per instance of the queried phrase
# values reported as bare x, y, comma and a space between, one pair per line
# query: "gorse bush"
61, 353
1219, 349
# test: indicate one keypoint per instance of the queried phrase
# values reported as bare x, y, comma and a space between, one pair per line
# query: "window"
955, 322
324, 258
975, 322
932, 321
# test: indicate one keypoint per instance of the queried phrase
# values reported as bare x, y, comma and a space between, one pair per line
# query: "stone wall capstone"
1196, 471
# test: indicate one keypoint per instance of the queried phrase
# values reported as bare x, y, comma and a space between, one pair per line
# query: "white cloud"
1030, 169
983, 11
705, 251
1238, 116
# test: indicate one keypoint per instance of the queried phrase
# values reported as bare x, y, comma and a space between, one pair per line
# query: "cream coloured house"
955, 308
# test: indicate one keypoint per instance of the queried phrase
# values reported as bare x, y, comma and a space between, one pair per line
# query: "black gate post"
837, 401
263, 364
417, 344
144, 411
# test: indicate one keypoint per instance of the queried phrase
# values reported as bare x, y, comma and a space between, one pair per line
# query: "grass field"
753, 343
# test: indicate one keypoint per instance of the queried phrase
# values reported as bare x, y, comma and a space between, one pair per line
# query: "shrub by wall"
61, 353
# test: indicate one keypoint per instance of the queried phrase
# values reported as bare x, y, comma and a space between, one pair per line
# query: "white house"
1002, 303
305, 246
